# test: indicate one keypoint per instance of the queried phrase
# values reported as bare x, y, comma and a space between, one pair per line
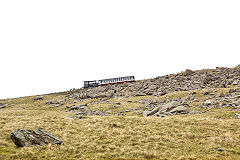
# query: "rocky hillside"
189, 115
220, 77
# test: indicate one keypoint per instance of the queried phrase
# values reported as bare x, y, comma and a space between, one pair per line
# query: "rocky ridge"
206, 81
220, 77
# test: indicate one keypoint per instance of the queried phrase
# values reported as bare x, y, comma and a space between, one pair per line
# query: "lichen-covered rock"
170, 108
40, 137
179, 110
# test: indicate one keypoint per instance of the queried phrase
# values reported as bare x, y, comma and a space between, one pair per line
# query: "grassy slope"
121, 137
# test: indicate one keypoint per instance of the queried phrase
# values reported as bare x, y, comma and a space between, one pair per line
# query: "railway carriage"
104, 82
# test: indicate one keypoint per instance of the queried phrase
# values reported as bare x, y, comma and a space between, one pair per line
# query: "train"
103, 82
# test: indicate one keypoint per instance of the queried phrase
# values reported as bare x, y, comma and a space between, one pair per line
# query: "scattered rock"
222, 94
40, 137
232, 90
208, 102
146, 113
188, 72
3, 105
237, 116
57, 105
235, 83
196, 112
50, 102
79, 108
38, 98
77, 117
179, 110
206, 92
114, 106
62, 101
171, 108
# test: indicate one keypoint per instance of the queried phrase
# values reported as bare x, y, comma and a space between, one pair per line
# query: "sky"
51, 46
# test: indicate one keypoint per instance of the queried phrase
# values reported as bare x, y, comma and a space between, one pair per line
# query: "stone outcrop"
83, 110
171, 108
40, 137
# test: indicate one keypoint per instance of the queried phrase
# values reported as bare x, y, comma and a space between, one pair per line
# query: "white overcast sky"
53, 45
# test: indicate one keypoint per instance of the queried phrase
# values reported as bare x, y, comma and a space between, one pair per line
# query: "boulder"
164, 109
150, 113
235, 83
179, 110
146, 113
80, 108
169, 106
40, 137
62, 101
188, 72
153, 87
50, 102
38, 98
208, 102
232, 90
3, 105
114, 106
237, 116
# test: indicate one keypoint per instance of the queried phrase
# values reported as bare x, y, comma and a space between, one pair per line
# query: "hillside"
189, 115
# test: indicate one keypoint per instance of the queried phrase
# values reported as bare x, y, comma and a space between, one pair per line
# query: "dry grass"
121, 137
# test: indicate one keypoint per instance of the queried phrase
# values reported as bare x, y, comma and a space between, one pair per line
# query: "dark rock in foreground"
24, 137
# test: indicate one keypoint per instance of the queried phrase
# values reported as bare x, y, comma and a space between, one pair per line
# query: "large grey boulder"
40, 137
179, 110
171, 108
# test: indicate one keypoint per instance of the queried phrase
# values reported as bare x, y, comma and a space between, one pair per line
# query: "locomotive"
103, 82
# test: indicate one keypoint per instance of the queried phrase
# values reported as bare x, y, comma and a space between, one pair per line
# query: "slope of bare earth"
107, 122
